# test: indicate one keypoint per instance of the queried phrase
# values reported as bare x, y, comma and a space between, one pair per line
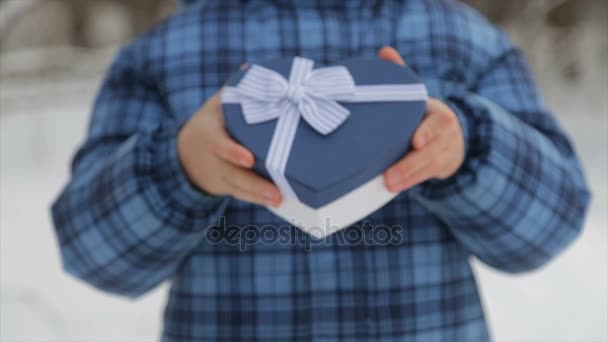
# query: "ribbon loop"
308, 91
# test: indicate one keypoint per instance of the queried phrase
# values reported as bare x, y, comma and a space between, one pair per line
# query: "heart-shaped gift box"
325, 135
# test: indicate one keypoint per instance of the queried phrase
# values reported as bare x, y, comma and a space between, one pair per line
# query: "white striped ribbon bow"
311, 94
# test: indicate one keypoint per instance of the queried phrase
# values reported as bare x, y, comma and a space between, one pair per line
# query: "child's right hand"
217, 164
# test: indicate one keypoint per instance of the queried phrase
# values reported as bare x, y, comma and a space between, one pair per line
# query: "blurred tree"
142, 14
561, 22
549, 31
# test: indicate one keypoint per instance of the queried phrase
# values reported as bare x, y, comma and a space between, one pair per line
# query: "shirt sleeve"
129, 215
520, 198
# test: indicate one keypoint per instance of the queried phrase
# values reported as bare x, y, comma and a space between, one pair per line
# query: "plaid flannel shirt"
129, 219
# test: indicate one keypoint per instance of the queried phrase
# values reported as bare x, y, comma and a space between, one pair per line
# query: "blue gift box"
322, 168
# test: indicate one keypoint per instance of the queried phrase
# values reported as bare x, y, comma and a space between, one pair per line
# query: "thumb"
389, 54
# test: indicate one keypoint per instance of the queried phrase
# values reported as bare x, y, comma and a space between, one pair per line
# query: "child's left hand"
437, 146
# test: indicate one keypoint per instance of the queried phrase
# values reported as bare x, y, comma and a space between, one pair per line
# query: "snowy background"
50, 68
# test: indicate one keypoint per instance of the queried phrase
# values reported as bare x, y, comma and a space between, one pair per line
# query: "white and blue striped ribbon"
311, 94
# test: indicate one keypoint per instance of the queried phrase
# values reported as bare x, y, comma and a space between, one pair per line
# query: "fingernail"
244, 162
270, 195
272, 198
421, 140
394, 178
275, 203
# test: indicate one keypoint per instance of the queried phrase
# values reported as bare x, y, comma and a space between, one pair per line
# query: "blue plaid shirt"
129, 219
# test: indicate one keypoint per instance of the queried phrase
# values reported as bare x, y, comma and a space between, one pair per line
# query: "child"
491, 175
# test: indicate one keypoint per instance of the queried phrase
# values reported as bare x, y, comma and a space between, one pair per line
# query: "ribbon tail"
280, 147
389, 93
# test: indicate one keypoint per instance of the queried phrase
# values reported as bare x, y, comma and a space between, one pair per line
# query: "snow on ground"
43, 119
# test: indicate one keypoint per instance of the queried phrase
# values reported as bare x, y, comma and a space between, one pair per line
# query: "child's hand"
438, 144
217, 164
